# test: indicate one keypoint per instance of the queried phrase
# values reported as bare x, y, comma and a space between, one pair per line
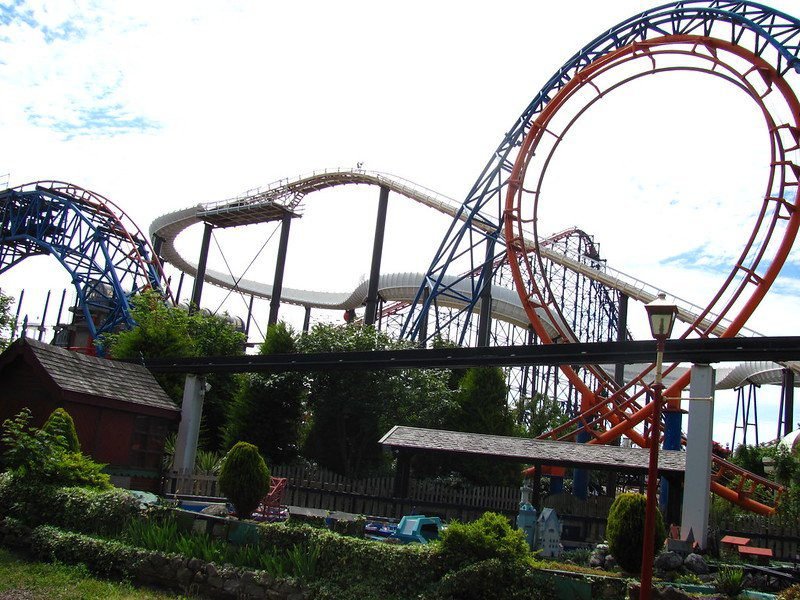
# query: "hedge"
399, 571
76, 509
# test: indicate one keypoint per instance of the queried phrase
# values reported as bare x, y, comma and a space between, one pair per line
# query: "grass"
21, 579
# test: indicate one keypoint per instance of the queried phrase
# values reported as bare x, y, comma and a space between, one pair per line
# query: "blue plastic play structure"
418, 528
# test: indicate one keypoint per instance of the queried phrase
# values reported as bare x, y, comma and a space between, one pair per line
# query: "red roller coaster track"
611, 411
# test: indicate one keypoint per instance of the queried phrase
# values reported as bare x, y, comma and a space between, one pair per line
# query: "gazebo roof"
544, 452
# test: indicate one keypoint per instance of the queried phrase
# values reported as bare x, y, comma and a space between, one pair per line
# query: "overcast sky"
161, 105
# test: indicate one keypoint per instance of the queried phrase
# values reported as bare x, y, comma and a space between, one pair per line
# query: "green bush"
493, 579
729, 581
490, 536
244, 478
43, 455
105, 557
625, 531
357, 568
78, 509
60, 424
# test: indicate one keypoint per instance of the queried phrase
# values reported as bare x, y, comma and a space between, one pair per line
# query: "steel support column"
423, 327
787, 403
280, 264
307, 319
158, 243
197, 290
619, 379
370, 313
694, 516
189, 429
485, 315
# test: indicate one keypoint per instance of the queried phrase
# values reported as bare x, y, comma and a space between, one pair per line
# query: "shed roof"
546, 452
90, 376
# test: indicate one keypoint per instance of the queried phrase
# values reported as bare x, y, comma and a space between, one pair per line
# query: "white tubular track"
401, 287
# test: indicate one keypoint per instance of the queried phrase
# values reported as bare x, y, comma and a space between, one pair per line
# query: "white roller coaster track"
397, 287
402, 287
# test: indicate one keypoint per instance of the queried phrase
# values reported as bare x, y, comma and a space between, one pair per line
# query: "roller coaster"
493, 261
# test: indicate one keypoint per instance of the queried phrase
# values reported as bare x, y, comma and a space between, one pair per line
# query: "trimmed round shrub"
625, 531
490, 536
244, 478
494, 579
60, 424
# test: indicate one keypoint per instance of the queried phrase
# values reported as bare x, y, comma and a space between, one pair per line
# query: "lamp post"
661, 315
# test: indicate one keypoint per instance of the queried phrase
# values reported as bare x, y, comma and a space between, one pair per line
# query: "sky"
159, 106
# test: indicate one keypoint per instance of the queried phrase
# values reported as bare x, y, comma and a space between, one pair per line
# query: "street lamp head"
661, 315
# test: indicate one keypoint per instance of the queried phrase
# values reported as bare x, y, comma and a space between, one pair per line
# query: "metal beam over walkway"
700, 351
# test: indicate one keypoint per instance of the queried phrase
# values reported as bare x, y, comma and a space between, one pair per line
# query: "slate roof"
546, 452
93, 376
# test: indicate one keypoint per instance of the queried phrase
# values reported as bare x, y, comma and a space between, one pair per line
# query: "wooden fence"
321, 489
782, 536
584, 520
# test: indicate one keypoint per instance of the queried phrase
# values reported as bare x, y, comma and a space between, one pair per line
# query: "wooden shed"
122, 416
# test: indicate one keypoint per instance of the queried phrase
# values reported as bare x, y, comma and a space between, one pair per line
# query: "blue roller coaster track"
105, 254
475, 238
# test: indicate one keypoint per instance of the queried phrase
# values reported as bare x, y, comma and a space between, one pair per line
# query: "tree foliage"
60, 424
6, 320
165, 331
244, 478
625, 531
353, 409
538, 414
268, 409
481, 407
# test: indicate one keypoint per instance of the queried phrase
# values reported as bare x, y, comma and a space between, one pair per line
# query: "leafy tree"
482, 402
42, 456
750, 458
268, 409
215, 336
538, 414
6, 320
482, 408
351, 410
244, 478
164, 331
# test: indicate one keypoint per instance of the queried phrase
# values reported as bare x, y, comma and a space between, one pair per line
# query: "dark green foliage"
625, 531
482, 408
106, 557
786, 471
38, 455
490, 536
78, 509
494, 579
750, 458
60, 423
160, 535
358, 569
353, 409
538, 414
164, 331
268, 409
244, 478
729, 581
